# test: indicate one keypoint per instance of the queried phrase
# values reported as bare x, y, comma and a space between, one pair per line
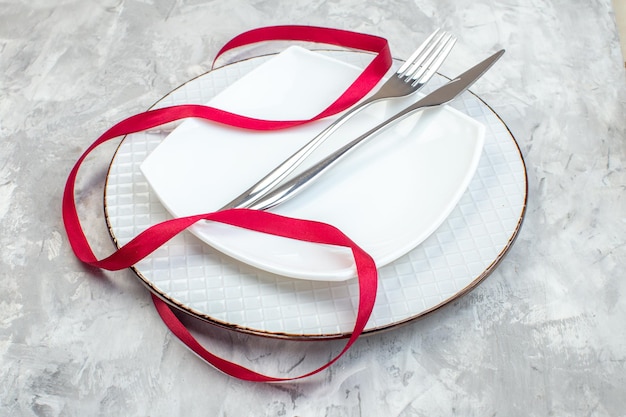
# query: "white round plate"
208, 284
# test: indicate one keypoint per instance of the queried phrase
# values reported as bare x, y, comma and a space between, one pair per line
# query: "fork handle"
265, 185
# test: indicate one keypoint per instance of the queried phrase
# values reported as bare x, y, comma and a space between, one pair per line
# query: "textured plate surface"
201, 281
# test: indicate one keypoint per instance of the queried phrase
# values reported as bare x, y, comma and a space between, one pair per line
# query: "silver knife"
438, 97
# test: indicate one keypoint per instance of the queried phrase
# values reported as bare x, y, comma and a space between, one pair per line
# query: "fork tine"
435, 53
425, 70
417, 53
432, 68
426, 54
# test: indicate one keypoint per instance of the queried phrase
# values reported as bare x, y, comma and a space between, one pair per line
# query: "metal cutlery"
442, 95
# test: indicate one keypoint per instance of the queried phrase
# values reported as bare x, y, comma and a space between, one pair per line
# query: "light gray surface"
543, 335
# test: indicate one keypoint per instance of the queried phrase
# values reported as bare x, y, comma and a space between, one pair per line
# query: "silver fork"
442, 95
409, 78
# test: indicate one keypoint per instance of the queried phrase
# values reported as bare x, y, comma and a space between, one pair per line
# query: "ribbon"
155, 236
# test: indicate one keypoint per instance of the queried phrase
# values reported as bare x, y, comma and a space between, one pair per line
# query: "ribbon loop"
264, 222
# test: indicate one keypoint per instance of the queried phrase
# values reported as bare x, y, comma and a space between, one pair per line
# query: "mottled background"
543, 335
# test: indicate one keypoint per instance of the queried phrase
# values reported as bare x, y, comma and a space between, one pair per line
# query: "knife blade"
442, 95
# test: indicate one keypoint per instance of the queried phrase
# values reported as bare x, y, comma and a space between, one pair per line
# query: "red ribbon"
155, 236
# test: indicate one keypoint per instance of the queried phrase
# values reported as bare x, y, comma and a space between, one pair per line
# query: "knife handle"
307, 177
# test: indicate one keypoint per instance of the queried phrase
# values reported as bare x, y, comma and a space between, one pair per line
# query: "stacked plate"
436, 200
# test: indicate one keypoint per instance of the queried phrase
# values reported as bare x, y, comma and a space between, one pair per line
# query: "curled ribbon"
155, 236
